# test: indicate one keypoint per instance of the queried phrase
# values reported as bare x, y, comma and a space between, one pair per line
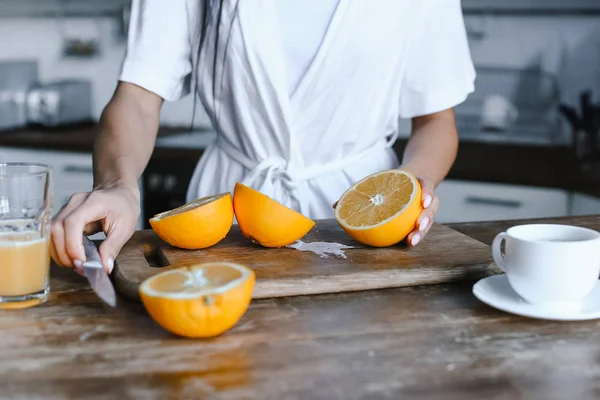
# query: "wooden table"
425, 342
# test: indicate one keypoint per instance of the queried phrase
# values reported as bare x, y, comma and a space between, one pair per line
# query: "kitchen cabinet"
582, 204
61, 8
165, 184
532, 7
72, 171
465, 201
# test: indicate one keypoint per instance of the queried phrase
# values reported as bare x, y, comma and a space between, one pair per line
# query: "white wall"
42, 39
568, 46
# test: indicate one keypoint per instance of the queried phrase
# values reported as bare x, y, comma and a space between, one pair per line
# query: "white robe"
376, 64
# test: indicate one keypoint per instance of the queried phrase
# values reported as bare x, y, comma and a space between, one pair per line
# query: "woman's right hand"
112, 209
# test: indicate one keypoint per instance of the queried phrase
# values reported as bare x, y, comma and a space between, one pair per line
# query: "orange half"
203, 300
266, 221
196, 225
382, 209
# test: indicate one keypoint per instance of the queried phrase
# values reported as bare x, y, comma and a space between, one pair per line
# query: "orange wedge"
266, 221
196, 225
199, 301
382, 209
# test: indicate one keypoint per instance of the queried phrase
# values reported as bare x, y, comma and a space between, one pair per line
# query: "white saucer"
495, 291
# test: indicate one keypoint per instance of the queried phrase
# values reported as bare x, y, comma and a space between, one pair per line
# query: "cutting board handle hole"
155, 257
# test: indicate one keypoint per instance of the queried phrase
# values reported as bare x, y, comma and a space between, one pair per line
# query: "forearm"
125, 142
432, 147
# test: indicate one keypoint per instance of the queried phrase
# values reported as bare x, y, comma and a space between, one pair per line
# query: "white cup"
498, 113
550, 265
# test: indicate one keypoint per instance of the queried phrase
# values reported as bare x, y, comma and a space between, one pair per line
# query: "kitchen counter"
77, 138
553, 167
477, 161
426, 342
80, 138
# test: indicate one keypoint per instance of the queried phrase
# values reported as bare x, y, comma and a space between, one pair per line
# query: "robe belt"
277, 168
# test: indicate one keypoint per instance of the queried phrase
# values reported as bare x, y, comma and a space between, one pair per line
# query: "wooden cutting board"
444, 256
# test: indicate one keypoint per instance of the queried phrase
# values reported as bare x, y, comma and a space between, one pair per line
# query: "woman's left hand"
431, 203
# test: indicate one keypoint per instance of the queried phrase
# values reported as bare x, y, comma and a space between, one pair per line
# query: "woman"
305, 97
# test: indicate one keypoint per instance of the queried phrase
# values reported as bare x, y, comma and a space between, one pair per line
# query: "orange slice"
196, 225
266, 221
199, 301
382, 209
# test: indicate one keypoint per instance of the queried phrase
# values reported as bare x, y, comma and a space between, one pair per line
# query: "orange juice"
24, 263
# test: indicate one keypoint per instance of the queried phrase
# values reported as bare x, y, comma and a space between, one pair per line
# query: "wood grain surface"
422, 342
444, 256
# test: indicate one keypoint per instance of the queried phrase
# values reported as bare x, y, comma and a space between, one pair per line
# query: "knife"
94, 272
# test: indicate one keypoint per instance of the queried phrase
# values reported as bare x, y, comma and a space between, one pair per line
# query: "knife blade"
94, 272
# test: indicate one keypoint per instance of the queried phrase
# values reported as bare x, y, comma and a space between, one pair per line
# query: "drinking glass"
25, 211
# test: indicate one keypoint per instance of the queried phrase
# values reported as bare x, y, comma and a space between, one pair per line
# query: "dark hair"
212, 11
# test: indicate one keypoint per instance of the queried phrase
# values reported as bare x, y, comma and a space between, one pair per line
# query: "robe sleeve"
439, 73
158, 54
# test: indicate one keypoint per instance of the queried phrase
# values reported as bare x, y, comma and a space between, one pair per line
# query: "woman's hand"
114, 210
128, 128
431, 203
429, 155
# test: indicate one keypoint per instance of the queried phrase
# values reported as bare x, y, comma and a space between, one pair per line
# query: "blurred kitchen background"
530, 134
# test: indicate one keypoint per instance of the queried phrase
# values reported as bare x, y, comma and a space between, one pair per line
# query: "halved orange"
196, 225
381, 209
266, 221
199, 301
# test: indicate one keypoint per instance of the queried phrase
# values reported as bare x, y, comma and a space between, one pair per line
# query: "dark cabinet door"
165, 184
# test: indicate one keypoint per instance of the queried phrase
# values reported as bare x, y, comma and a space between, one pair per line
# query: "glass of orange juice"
25, 211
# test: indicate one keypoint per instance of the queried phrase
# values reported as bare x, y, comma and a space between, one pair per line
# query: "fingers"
427, 192
115, 211
57, 232
431, 204
68, 226
74, 225
425, 221
111, 246
78, 267
57, 245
